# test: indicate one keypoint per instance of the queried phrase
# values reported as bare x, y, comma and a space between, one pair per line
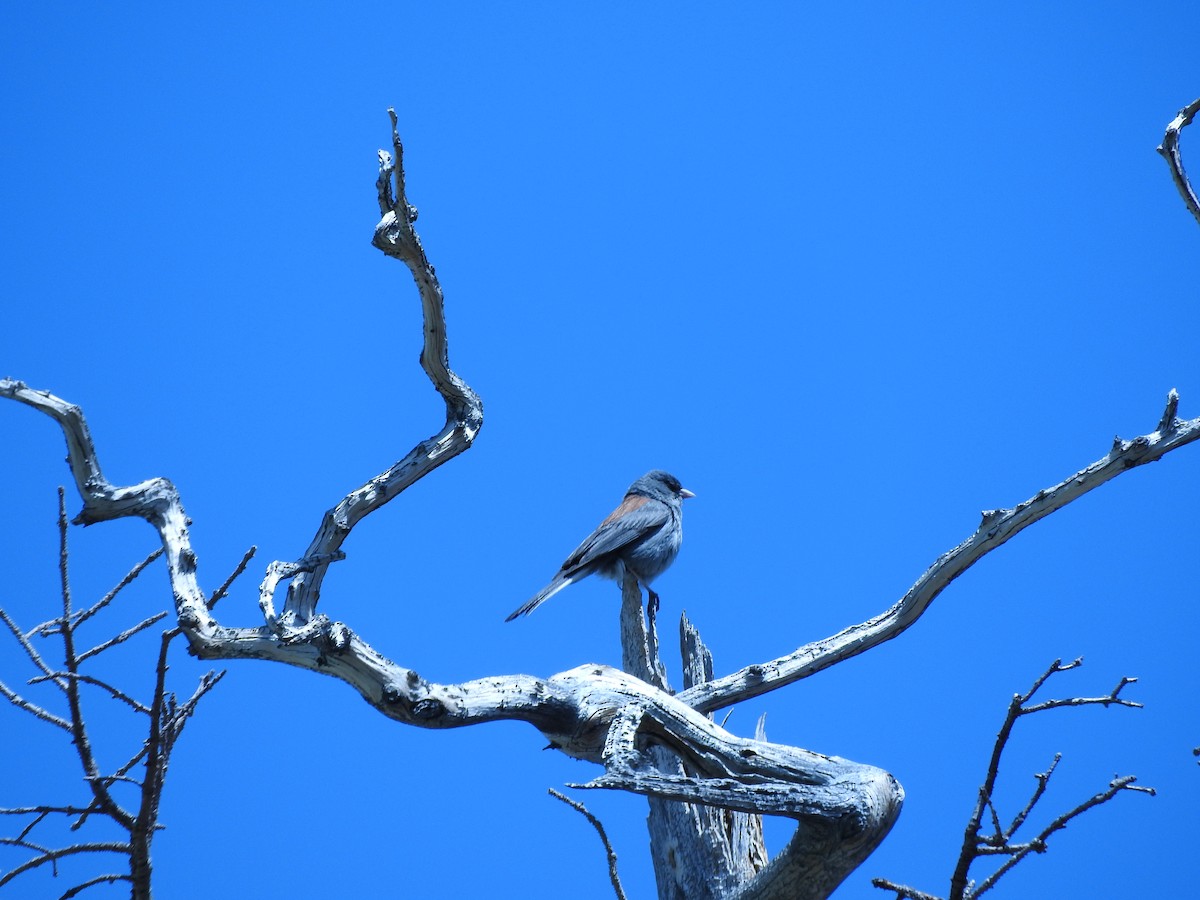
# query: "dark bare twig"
79, 732
224, 588
114, 692
48, 628
29, 649
1043, 779
1000, 842
122, 637
1018, 852
599, 826
167, 718
27, 810
33, 709
47, 855
100, 879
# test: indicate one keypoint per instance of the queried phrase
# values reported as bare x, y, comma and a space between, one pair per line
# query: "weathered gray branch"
396, 237
1169, 149
706, 832
997, 527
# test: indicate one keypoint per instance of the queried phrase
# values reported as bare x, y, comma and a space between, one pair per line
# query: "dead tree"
707, 786
127, 797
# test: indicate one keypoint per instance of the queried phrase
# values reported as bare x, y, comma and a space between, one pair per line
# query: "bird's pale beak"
685, 493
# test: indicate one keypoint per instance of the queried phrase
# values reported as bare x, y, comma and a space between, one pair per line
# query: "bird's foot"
653, 602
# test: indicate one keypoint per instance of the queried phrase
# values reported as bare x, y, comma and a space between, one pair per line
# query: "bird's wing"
632, 521
635, 519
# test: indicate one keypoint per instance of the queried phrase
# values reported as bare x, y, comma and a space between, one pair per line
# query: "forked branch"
396, 237
1002, 840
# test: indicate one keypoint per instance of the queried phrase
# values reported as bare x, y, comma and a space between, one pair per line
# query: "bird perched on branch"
642, 535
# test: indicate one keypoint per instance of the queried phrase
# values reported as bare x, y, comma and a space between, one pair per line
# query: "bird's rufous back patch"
628, 505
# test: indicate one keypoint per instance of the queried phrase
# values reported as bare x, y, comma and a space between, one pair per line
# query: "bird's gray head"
661, 486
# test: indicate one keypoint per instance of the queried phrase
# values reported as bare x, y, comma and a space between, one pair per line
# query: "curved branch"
998, 526
396, 237
609, 852
1169, 150
157, 501
52, 856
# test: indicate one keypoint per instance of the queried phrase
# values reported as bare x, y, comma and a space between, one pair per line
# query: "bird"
642, 535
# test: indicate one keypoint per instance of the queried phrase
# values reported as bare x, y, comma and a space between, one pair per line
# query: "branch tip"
598, 825
1169, 417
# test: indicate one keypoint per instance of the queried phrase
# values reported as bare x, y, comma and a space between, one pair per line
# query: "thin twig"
111, 595
1043, 779
28, 810
37, 820
79, 732
224, 588
1111, 699
108, 780
1000, 842
52, 856
599, 826
996, 528
208, 681
29, 649
100, 879
123, 636
1038, 844
116, 693
80, 617
32, 708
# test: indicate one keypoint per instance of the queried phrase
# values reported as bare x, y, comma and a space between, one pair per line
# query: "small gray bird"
642, 535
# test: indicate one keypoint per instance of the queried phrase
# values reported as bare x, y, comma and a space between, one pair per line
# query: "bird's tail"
559, 582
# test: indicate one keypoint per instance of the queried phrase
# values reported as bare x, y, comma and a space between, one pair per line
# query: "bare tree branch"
1038, 844
29, 649
167, 718
1043, 779
396, 237
114, 692
52, 856
1000, 842
33, 709
610, 854
997, 528
122, 637
48, 628
79, 731
1169, 150
224, 588
26, 810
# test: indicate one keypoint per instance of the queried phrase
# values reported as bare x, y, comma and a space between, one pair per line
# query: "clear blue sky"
852, 274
